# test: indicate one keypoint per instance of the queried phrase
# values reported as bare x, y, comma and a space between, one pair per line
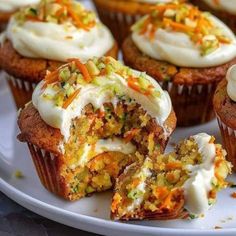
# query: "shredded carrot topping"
59, 11
70, 99
184, 18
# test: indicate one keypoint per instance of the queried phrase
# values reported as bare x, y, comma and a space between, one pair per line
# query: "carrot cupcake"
181, 184
43, 36
8, 7
225, 108
225, 10
119, 15
87, 122
187, 51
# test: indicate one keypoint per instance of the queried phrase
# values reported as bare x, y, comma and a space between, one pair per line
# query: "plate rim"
46, 210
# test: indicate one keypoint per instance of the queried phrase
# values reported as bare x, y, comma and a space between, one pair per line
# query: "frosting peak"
57, 30
63, 94
175, 29
231, 86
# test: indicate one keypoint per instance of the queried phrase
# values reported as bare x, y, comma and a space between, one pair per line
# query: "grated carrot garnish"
50, 78
70, 99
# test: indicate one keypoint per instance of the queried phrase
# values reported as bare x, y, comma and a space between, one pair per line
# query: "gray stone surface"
18, 221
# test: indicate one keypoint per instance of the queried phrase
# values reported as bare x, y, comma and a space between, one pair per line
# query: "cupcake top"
231, 86
176, 29
222, 5
13, 5
63, 94
57, 30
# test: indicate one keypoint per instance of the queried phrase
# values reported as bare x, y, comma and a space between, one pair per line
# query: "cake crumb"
218, 227
18, 174
233, 195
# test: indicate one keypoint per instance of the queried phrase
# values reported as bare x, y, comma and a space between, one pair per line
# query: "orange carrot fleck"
70, 99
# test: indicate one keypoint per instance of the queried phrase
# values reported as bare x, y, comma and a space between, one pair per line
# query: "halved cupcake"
187, 51
8, 7
120, 15
180, 184
225, 10
225, 107
43, 36
89, 121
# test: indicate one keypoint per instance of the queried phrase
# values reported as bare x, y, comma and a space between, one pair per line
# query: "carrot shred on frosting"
70, 99
50, 78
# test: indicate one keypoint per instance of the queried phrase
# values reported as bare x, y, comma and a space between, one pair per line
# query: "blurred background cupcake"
119, 15
8, 7
225, 108
224, 9
187, 51
43, 36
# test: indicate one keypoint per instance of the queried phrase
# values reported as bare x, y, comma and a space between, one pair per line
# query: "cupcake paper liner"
192, 104
21, 90
47, 166
229, 140
119, 23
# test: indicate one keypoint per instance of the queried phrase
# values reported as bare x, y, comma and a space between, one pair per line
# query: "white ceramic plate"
92, 214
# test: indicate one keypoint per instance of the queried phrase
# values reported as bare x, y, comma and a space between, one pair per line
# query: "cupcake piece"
43, 36
180, 184
225, 10
225, 108
120, 15
89, 121
187, 51
8, 7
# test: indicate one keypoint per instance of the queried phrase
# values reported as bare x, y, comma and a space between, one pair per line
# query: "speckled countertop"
18, 221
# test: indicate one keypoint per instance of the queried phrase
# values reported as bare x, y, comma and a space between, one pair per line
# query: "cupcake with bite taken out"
224, 9
120, 15
180, 184
187, 51
43, 36
225, 108
8, 7
88, 121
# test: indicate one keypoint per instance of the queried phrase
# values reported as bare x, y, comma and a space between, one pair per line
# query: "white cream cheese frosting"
178, 49
197, 187
58, 42
104, 145
231, 86
13, 5
223, 5
159, 107
53, 41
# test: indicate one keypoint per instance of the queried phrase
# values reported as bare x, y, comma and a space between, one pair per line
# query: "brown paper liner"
21, 90
48, 168
229, 141
118, 21
192, 104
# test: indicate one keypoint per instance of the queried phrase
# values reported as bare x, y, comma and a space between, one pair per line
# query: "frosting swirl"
180, 29
59, 101
222, 5
62, 32
13, 5
231, 86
